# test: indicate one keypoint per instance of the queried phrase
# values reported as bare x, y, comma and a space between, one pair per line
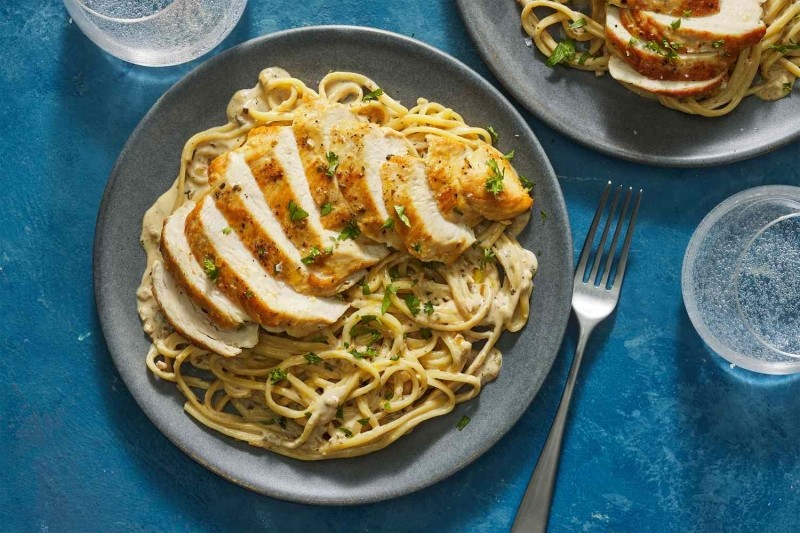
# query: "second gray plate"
602, 114
406, 69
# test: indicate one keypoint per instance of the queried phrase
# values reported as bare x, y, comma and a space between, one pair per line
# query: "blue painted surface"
663, 436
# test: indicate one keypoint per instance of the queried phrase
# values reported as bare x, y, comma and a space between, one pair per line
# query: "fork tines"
592, 258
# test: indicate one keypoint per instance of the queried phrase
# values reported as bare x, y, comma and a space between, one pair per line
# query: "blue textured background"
663, 436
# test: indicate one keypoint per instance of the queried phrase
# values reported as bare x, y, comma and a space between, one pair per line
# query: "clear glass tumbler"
156, 33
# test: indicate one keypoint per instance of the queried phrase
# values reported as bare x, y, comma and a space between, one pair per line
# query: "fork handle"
534, 510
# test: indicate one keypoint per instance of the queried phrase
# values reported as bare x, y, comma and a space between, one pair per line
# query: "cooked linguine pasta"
418, 338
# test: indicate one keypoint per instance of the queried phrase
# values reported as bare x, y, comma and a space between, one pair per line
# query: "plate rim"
98, 269
486, 51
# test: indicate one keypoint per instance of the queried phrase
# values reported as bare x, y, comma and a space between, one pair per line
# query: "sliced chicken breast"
241, 202
362, 149
272, 303
273, 157
189, 274
623, 73
661, 61
461, 178
312, 126
192, 323
674, 8
426, 233
737, 25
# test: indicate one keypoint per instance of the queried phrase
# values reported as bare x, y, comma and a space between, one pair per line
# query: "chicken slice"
192, 323
461, 178
189, 274
272, 303
426, 233
736, 25
660, 61
240, 200
673, 8
362, 149
623, 73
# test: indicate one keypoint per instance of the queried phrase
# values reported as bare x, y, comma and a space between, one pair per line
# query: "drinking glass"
156, 33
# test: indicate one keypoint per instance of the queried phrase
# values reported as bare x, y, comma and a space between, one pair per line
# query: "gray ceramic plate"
602, 114
407, 69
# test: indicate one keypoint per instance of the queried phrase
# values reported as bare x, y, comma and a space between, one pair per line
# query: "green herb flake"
580, 23
333, 164
312, 358
394, 272
227, 231
363, 421
365, 288
395, 357
428, 308
783, 48
463, 422
388, 223
326, 209
387, 406
340, 412
387, 299
312, 256
510, 155
248, 294
543, 215
493, 134
389, 395
494, 183
687, 13
372, 95
347, 433
296, 212
584, 56
212, 270
417, 247
276, 375
633, 41
526, 183
675, 24
413, 303
401, 214
563, 53
425, 333
718, 44
487, 257
787, 87
350, 231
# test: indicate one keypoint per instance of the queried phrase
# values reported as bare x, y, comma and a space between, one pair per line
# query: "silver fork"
593, 301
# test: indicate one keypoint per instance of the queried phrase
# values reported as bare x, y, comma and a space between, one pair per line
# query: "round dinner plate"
406, 69
602, 114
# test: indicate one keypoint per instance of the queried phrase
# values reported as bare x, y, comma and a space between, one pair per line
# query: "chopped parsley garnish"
276, 374
718, 44
395, 357
282, 422
543, 215
394, 272
340, 412
366, 319
372, 95
787, 87
584, 57
488, 257
312, 256
387, 299
493, 134
365, 288
333, 164
675, 24
783, 48
389, 395
494, 183
326, 209
509, 156
227, 231
369, 353
417, 247
387, 406
401, 214
212, 270
413, 303
425, 333
563, 53
347, 432
687, 13
363, 421
350, 231
633, 41
312, 358
580, 23
261, 251
525, 182
296, 212
463, 422
428, 308
388, 223
248, 294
